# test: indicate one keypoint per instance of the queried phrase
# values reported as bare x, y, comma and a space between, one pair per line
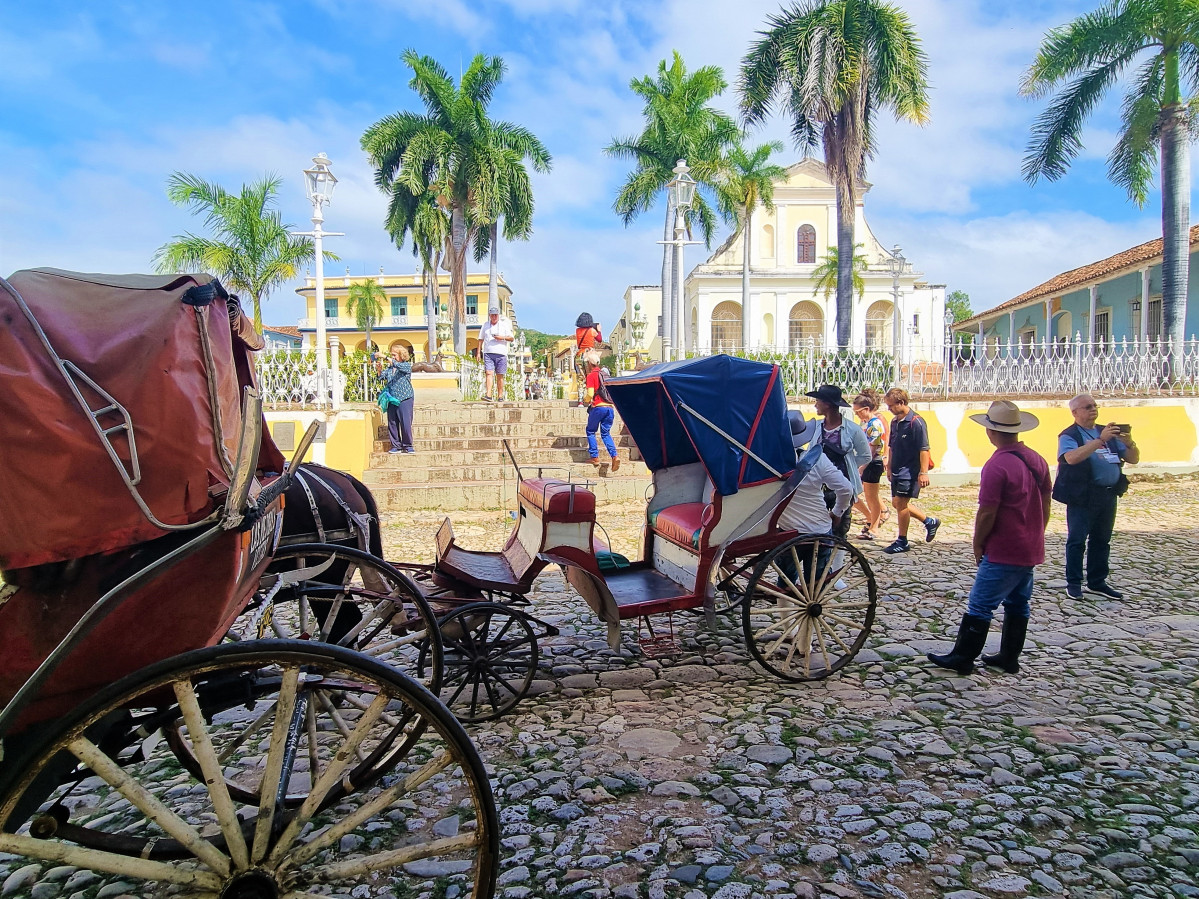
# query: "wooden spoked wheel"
809, 607
490, 660
731, 584
350, 598
396, 797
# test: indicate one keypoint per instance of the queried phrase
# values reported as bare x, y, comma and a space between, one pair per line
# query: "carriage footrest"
657, 645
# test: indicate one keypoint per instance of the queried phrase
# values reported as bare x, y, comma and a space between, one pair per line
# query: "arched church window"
805, 252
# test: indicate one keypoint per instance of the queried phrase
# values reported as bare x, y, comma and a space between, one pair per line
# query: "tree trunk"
257, 313
1176, 243
846, 211
747, 231
458, 239
431, 295
668, 315
493, 282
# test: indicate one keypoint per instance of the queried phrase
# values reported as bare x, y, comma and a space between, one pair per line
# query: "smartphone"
1125, 430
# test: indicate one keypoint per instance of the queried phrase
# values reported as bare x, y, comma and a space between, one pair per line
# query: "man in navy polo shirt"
1089, 522
1009, 541
908, 462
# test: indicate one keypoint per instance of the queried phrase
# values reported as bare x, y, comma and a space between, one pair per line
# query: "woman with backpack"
844, 442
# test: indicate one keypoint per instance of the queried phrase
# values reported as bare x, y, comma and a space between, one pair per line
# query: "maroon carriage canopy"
162, 347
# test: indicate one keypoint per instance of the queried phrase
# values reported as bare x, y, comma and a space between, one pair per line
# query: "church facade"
786, 310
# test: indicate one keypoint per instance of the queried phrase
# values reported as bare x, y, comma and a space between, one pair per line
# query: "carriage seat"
559, 500
684, 504
683, 523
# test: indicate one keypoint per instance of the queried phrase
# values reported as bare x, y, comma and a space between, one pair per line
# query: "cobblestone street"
698, 775
701, 776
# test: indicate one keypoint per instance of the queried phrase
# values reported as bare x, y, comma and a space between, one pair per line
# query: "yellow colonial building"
405, 313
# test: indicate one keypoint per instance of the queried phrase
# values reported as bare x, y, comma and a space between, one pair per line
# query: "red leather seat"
683, 523
559, 500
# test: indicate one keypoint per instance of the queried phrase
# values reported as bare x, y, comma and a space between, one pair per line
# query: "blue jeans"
600, 417
996, 583
1089, 527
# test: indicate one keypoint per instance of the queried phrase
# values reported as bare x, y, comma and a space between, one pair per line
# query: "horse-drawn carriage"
145, 733
714, 434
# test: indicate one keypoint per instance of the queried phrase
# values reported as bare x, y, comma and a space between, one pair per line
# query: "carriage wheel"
809, 608
732, 583
352, 599
490, 660
397, 798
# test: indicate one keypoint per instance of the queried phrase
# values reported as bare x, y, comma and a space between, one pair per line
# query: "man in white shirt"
808, 512
494, 337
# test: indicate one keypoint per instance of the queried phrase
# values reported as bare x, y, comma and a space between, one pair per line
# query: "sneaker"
393, 451
1074, 591
1105, 590
931, 526
899, 546
616, 463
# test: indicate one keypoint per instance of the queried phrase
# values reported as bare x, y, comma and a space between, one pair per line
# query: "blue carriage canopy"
743, 398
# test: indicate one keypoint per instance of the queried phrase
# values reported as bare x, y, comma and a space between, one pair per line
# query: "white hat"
1005, 416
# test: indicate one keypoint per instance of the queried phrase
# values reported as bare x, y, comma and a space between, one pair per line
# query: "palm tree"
834, 64
1080, 61
365, 303
745, 180
252, 251
679, 124
824, 275
450, 149
430, 228
512, 201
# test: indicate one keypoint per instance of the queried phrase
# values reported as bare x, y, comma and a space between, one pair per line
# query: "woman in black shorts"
865, 407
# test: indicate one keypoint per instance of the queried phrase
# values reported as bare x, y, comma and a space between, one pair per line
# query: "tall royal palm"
450, 150
832, 65
251, 250
365, 303
511, 199
1080, 61
680, 123
747, 179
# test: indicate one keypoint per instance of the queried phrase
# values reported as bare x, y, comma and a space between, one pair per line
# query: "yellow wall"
817, 217
1163, 431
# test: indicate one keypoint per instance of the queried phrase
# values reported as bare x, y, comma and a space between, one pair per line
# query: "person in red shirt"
587, 333
600, 412
1009, 541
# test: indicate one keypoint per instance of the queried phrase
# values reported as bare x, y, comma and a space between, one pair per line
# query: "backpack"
601, 392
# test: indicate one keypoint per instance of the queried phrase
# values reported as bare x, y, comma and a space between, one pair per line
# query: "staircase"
460, 461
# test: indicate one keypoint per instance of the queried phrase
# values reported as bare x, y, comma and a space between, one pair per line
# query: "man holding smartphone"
1090, 481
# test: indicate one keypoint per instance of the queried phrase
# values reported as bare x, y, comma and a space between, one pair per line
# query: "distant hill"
540, 342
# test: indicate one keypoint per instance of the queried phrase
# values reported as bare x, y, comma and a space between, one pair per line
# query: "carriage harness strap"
358, 523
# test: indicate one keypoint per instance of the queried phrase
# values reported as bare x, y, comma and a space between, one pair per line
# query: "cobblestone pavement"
699, 775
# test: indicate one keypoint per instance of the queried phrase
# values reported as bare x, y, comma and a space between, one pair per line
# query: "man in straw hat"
1009, 541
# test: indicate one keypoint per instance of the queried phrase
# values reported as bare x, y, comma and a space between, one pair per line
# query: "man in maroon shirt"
1009, 541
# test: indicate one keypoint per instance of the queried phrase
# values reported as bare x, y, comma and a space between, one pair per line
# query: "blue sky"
101, 102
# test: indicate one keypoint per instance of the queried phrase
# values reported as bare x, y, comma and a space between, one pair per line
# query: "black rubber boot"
1011, 644
972, 636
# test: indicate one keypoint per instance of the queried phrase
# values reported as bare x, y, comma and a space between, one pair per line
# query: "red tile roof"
289, 330
1071, 280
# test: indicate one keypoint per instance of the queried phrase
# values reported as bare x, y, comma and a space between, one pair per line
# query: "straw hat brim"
1028, 421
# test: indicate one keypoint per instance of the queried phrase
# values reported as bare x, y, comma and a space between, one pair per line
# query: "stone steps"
460, 460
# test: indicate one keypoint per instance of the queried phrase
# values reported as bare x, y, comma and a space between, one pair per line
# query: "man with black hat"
843, 441
1009, 541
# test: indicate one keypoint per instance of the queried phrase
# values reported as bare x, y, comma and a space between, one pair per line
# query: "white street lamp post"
320, 182
895, 265
682, 193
